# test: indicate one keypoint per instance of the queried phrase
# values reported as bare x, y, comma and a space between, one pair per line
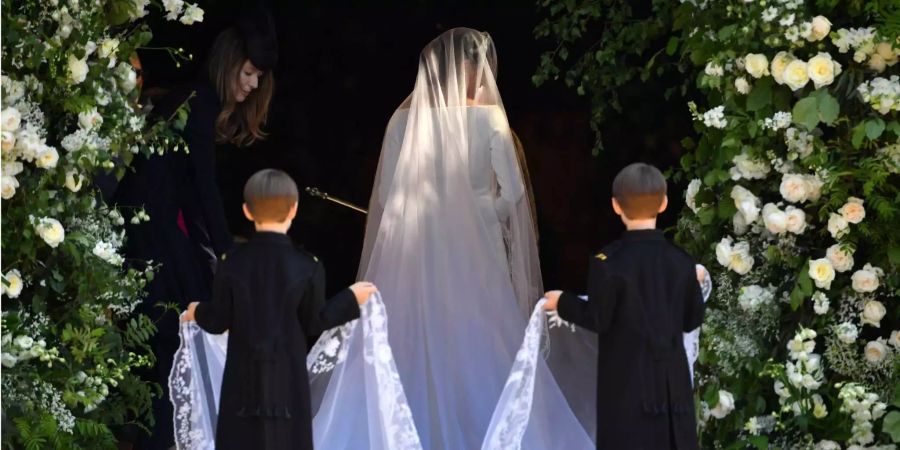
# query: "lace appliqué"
331, 349
185, 397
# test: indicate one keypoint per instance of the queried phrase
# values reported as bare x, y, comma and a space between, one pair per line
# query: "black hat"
257, 28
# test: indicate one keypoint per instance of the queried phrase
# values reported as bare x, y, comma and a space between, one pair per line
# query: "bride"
450, 241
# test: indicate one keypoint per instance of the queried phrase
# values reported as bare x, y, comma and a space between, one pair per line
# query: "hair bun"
257, 28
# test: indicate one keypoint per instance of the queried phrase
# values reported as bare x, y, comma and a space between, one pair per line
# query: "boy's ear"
664, 204
616, 207
247, 213
293, 212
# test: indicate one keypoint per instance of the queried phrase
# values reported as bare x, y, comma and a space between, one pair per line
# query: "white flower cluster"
882, 94
189, 15
715, 118
846, 332
108, 253
865, 408
796, 73
23, 136
877, 55
724, 406
799, 143
714, 69
734, 256
21, 348
820, 303
758, 425
749, 168
804, 373
779, 121
50, 399
754, 296
92, 390
811, 31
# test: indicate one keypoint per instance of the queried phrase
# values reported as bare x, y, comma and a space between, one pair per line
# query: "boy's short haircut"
639, 189
270, 194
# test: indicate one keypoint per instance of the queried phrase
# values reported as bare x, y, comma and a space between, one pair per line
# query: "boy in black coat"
270, 295
642, 295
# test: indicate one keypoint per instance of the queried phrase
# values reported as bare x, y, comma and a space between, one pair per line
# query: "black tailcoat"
270, 295
642, 295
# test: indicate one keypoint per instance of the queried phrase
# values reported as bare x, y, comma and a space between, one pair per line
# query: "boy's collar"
271, 236
652, 234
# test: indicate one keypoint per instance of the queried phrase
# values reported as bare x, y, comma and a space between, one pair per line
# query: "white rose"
8, 360
774, 219
690, 194
8, 186
821, 26
7, 141
724, 406
794, 188
821, 70
872, 313
841, 259
741, 261
853, 211
746, 203
796, 75
864, 281
28, 144
847, 332
24, 342
813, 187
192, 14
756, 64
779, 64
723, 251
837, 226
877, 63
742, 86
78, 69
796, 220
11, 118
822, 272
51, 231
827, 445
74, 180
875, 352
47, 157
12, 168
90, 119
895, 339
127, 77
108, 47
13, 285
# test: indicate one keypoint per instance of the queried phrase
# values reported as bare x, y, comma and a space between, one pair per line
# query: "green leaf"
874, 128
672, 46
706, 215
894, 127
806, 112
859, 132
760, 442
828, 106
891, 426
760, 96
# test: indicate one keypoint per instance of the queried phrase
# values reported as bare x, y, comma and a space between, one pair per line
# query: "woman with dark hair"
187, 231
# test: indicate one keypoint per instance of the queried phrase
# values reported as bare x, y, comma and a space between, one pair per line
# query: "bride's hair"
238, 123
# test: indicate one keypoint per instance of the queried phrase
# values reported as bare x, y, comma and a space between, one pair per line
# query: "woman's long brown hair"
238, 123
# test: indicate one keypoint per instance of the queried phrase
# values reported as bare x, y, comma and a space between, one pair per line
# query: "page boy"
270, 295
642, 294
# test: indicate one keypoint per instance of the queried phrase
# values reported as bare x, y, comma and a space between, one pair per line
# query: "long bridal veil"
450, 242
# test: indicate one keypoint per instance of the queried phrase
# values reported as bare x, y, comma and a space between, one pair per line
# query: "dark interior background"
346, 65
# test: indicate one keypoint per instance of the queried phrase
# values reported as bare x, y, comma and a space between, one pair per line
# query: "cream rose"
8, 186
13, 283
822, 272
841, 259
877, 63
90, 119
74, 180
821, 26
837, 226
853, 211
875, 352
813, 187
723, 251
78, 69
796, 75
779, 63
756, 64
741, 261
746, 203
47, 157
895, 339
865, 280
739, 224
10, 118
821, 69
108, 48
872, 313
724, 406
774, 219
796, 220
794, 188
7, 141
51, 231
887, 52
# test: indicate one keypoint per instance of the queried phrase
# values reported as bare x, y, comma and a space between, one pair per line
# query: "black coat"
270, 295
642, 295
163, 186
